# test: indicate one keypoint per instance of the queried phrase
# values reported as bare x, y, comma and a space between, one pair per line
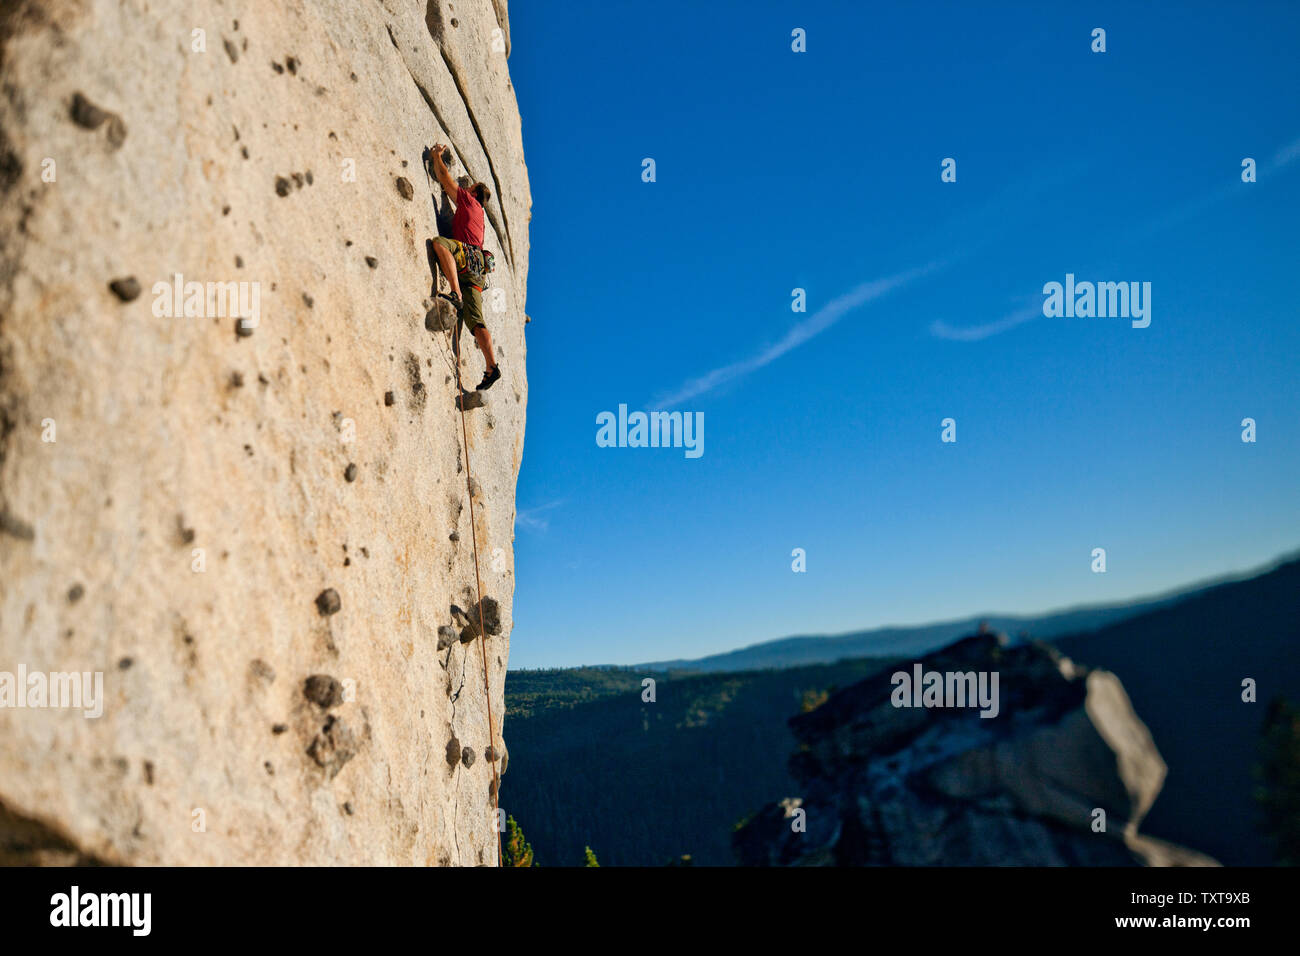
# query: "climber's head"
481, 193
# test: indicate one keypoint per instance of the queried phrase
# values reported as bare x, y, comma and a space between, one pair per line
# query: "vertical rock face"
941, 785
242, 506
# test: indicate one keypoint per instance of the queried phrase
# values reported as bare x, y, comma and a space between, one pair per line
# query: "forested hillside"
642, 783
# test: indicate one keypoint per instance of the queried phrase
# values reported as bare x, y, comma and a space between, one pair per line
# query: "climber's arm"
444, 178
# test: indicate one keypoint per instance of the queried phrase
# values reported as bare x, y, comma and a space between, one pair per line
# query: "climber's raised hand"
441, 174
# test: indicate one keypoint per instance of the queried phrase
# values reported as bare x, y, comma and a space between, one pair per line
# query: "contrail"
835, 310
816, 323
1286, 155
942, 330
1283, 158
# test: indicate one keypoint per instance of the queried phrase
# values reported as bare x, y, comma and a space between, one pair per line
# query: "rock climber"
461, 259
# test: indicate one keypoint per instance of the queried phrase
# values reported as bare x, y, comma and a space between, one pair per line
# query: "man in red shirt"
461, 259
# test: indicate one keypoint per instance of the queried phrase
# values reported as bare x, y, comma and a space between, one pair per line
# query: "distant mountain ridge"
919, 639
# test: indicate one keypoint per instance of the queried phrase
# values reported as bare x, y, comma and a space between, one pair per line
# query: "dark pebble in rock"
75, 593
350, 472
125, 664
491, 616
328, 602
232, 51
405, 189
282, 186
323, 691
85, 113
467, 757
388, 398
127, 289
454, 536
308, 299
446, 637
439, 318
453, 752
279, 728
242, 330
261, 670
372, 261
334, 746
116, 131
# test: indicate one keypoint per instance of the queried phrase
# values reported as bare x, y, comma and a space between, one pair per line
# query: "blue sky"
820, 170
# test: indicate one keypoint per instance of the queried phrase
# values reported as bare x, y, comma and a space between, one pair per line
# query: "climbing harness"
475, 264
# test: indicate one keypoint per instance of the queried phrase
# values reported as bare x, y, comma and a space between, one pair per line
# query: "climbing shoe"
489, 378
454, 299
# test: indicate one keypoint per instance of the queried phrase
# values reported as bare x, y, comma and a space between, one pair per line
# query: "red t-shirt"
467, 225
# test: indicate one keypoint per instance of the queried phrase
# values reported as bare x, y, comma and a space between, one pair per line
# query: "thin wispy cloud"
942, 330
993, 207
1192, 208
534, 519
867, 292
1287, 155
818, 322
1179, 214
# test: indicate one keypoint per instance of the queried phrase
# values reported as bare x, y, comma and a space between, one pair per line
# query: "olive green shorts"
471, 285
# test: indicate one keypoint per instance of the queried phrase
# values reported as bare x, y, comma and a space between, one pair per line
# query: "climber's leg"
484, 339
473, 315
445, 249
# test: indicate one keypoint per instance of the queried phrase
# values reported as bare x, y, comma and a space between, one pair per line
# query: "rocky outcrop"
242, 505
887, 782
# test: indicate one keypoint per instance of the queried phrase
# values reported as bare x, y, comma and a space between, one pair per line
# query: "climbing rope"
478, 580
